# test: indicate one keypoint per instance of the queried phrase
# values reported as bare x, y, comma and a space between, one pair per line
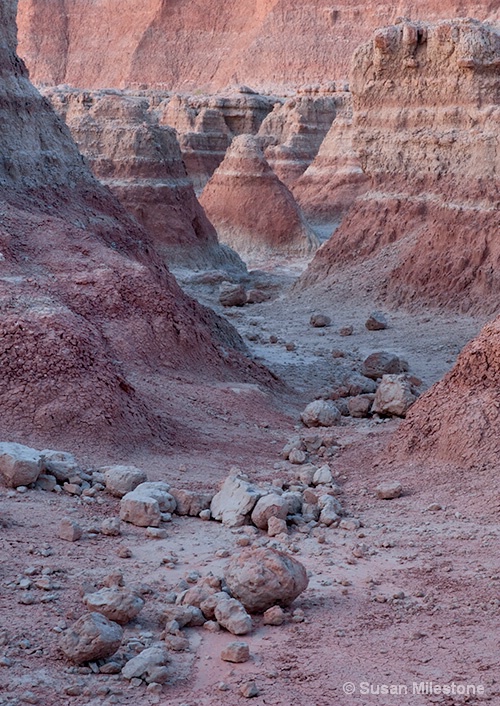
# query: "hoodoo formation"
271, 45
252, 210
87, 303
426, 116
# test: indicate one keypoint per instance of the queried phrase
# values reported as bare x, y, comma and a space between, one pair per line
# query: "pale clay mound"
425, 113
251, 209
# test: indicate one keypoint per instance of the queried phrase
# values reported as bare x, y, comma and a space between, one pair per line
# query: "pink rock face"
188, 47
457, 420
425, 117
252, 210
141, 162
261, 578
87, 296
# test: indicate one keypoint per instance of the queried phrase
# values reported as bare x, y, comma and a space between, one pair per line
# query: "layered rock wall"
269, 44
426, 119
140, 161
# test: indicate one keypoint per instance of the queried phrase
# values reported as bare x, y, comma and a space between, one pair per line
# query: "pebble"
236, 652
249, 689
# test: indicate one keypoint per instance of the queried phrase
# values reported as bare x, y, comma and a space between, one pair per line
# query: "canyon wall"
425, 127
88, 311
269, 44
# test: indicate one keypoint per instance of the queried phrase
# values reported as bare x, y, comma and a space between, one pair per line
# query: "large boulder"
121, 480
19, 465
271, 505
320, 413
261, 578
146, 503
394, 396
92, 637
118, 604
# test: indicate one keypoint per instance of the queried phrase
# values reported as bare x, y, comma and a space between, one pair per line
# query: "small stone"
69, 530
177, 643
236, 652
144, 506
389, 490
249, 690
297, 456
211, 626
320, 413
274, 616
275, 527
111, 526
320, 320
231, 614
117, 604
205, 515
121, 480
156, 533
377, 321
232, 294
141, 666
434, 507
346, 331
46, 482
124, 552
19, 465
72, 488
323, 476
381, 363
360, 406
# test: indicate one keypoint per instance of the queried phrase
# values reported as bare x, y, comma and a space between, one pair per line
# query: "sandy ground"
409, 599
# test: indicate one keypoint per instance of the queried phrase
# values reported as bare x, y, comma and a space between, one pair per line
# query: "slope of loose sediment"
191, 46
458, 419
140, 161
251, 209
426, 119
86, 304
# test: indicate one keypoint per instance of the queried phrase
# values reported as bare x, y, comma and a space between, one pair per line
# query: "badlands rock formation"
86, 303
458, 419
294, 132
140, 161
425, 127
207, 124
252, 210
267, 44
330, 184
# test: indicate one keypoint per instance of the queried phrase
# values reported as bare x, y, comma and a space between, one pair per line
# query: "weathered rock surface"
320, 413
146, 663
271, 505
19, 465
333, 180
231, 614
457, 420
251, 209
394, 396
60, 464
388, 490
121, 480
69, 530
89, 298
92, 637
140, 161
425, 114
190, 502
293, 132
209, 46
146, 503
382, 363
235, 501
236, 652
261, 578
118, 604
206, 125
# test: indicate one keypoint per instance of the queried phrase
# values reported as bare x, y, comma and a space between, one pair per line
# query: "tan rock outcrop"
85, 298
140, 161
294, 132
333, 180
268, 44
251, 209
425, 126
